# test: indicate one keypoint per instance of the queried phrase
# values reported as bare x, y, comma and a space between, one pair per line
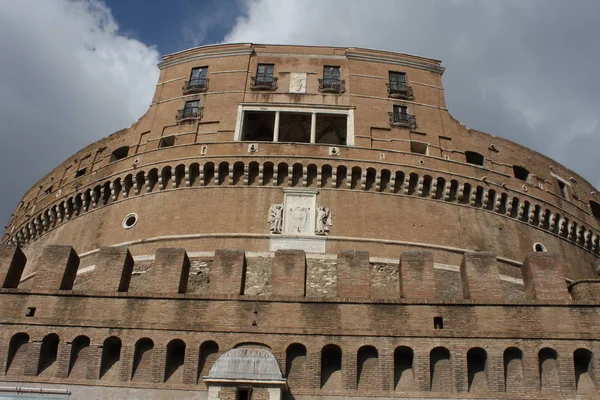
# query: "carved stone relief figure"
323, 221
298, 216
276, 218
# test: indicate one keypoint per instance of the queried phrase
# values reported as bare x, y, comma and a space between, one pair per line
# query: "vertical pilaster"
33, 358
94, 362
63, 359
349, 369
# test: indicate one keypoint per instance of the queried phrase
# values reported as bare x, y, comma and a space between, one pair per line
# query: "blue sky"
177, 24
74, 71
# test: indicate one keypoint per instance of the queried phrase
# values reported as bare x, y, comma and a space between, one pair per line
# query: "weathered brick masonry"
302, 222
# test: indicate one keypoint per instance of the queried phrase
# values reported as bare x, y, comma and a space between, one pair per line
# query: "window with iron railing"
401, 117
331, 82
198, 81
191, 110
397, 86
264, 78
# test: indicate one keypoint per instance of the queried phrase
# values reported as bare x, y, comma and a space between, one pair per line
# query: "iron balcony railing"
195, 85
400, 91
404, 120
332, 85
189, 113
263, 82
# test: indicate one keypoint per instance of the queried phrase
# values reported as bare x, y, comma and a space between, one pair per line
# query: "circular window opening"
538, 247
130, 220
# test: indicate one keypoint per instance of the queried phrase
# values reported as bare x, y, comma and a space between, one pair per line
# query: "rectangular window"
400, 111
264, 79
191, 109
331, 82
265, 71
198, 73
198, 81
331, 73
48, 190
397, 80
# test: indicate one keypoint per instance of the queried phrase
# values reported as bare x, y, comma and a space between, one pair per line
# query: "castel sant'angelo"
290, 222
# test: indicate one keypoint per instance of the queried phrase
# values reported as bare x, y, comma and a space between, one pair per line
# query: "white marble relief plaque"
298, 82
299, 212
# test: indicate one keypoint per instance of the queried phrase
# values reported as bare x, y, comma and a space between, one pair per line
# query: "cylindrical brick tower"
382, 247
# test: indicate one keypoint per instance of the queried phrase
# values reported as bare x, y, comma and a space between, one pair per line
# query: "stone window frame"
348, 112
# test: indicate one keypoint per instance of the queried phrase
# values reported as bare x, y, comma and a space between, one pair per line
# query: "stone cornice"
203, 56
361, 56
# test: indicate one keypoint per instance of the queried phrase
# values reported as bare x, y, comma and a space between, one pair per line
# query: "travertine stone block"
289, 273
12, 264
417, 277
56, 269
480, 276
544, 277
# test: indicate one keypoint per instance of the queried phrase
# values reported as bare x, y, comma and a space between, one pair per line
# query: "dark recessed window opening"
595, 209
264, 73
191, 109
119, 153
331, 80
397, 86
244, 394
198, 80
474, 158
331, 129
294, 127
562, 187
80, 172
418, 147
167, 141
258, 126
30, 312
438, 323
48, 190
521, 173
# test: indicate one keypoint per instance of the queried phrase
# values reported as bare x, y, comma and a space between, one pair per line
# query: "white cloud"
69, 77
526, 71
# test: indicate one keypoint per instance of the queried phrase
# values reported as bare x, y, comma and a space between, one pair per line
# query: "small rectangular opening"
418, 147
438, 323
244, 394
48, 190
80, 172
167, 141
30, 312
